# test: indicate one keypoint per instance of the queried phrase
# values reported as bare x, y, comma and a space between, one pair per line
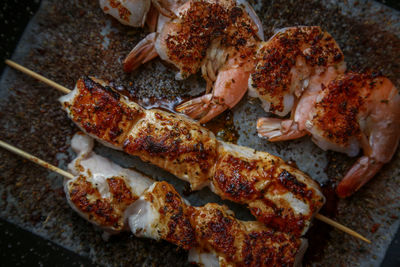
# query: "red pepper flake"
375, 227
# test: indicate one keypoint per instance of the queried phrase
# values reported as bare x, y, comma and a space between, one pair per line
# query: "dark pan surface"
67, 39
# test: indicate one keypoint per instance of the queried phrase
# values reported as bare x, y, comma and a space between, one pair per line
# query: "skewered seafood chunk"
106, 116
175, 144
160, 213
276, 193
102, 191
110, 197
212, 231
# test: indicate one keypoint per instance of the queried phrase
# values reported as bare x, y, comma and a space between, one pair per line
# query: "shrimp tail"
165, 7
278, 130
229, 88
202, 108
143, 52
152, 18
359, 174
213, 111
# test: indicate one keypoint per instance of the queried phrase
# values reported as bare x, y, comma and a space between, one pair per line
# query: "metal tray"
68, 39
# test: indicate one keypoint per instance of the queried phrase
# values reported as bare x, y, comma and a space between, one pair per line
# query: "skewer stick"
66, 91
35, 160
37, 76
341, 227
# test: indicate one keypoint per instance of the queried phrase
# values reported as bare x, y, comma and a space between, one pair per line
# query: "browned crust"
178, 145
231, 179
99, 111
203, 22
217, 229
123, 12
242, 243
258, 249
336, 114
121, 193
276, 58
104, 212
256, 181
173, 215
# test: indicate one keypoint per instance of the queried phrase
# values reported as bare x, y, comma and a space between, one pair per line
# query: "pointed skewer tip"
341, 227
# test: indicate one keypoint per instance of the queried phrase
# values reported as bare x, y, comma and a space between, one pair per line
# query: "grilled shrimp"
276, 129
289, 62
358, 110
355, 110
217, 37
302, 70
292, 67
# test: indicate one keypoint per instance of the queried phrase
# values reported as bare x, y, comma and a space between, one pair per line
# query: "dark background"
22, 248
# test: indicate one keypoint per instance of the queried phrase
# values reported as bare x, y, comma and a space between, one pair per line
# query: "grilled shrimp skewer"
246, 150
217, 37
118, 199
357, 110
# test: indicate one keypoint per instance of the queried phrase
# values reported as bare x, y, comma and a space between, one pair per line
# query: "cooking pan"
68, 39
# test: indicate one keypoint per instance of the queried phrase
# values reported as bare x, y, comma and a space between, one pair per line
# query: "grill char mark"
173, 212
101, 113
203, 23
272, 76
344, 99
255, 182
191, 152
105, 212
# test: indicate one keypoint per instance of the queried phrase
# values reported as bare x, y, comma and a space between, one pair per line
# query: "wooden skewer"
66, 91
341, 227
37, 76
35, 160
